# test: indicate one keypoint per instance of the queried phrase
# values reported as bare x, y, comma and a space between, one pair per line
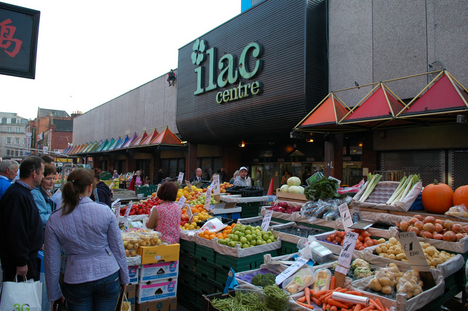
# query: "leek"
373, 180
397, 190
406, 188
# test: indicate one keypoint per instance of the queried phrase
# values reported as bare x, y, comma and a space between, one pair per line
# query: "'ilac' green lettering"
243, 63
229, 70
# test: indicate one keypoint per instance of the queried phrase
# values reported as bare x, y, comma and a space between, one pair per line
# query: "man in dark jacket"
21, 224
101, 192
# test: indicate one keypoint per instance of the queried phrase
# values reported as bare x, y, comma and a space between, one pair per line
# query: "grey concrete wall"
376, 40
152, 105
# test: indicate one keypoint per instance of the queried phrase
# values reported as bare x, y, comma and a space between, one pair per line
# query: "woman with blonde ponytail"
96, 263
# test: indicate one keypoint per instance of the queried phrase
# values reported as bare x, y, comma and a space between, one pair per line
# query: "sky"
92, 51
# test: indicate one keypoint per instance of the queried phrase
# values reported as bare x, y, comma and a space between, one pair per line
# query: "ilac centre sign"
231, 72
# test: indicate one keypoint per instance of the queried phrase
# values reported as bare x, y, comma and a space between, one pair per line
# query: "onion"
404, 226
437, 236
413, 221
419, 224
450, 236
419, 217
427, 235
448, 224
430, 219
465, 228
457, 228
440, 221
416, 230
439, 228
429, 226
459, 236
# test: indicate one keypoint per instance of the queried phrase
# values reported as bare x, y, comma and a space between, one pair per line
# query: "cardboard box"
157, 290
160, 270
134, 274
131, 295
154, 254
290, 196
169, 304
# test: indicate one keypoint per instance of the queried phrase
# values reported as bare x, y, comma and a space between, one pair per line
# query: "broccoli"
263, 279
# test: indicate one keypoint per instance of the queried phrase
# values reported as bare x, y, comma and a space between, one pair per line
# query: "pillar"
190, 160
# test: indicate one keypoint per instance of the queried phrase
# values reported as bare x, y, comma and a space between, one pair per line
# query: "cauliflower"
360, 263
360, 273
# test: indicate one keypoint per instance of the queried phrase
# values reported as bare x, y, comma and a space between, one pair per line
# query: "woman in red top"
165, 218
137, 180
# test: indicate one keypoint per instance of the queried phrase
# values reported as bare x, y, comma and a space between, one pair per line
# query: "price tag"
129, 208
266, 220
215, 185
413, 250
182, 202
345, 216
189, 185
290, 270
116, 209
208, 198
115, 202
189, 214
181, 178
346, 254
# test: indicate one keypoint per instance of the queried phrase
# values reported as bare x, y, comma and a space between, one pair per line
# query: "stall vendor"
241, 179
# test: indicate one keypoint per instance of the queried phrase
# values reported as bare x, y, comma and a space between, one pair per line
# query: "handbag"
21, 296
123, 304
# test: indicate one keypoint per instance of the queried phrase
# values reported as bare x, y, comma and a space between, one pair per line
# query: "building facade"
13, 139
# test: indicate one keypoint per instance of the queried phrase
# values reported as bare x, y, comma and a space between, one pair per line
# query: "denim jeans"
99, 295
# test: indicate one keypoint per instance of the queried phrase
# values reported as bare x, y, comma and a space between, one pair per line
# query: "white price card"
189, 214
115, 202
116, 209
290, 270
413, 251
182, 202
346, 254
345, 216
215, 185
208, 198
129, 208
180, 180
266, 220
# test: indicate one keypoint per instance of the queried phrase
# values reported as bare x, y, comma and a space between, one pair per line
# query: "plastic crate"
187, 247
221, 275
454, 284
252, 192
190, 297
283, 221
288, 248
250, 209
143, 190
205, 253
207, 306
242, 263
315, 226
206, 269
187, 276
188, 262
208, 287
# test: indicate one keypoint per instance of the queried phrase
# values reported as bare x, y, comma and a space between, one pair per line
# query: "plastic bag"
459, 211
410, 284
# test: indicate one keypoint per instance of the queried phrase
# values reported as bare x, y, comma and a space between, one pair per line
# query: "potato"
381, 240
378, 250
386, 290
384, 248
400, 256
393, 241
385, 281
392, 256
375, 285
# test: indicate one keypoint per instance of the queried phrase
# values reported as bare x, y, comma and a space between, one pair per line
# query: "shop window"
209, 166
8, 152
16, 153
21, 153
172, 167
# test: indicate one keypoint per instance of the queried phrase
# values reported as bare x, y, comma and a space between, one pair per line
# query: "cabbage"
284, 188
296, 189
294, 181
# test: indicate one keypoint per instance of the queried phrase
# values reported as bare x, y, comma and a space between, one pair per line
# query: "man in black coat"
198, 175
21, 224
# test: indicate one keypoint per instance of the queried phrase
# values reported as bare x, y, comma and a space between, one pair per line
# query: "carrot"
387, 309
332, 282
302, 299
307, 295
305, 305
333, 308
379, 303
322, 298
372, 302
316, 301
358, 307
354, 292
320, 293
337, 303
368, 308
344, 290
338, 288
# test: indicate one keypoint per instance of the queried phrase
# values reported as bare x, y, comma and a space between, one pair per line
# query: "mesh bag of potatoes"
131, 243
149, 237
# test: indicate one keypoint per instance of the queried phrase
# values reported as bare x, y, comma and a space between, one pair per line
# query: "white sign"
117, 210
127, 212
266, 220
290, 270
215, 185
346, 255
181, 178
189, 214
208, 198
345, 216
182, 202
413, 250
